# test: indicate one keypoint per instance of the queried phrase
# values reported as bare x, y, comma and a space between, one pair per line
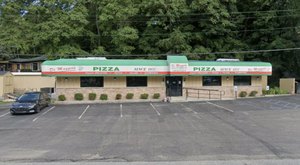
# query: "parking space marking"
189, 109
5, 114
87, 107
43, 114
155, 109
219, 106
121, 110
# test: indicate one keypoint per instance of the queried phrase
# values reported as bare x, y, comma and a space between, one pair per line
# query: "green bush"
253, 93
129, 95
264, 92
118, 96
103, 97
156, 96
144, 96
243, 94
92, 96
272, 91
78, 96
62, 98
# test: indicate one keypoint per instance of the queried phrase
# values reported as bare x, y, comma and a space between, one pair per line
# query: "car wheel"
12, 113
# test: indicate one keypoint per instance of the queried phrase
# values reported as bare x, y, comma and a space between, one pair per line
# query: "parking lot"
262, 128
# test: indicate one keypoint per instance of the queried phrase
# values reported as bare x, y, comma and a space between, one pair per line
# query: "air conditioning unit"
227, 59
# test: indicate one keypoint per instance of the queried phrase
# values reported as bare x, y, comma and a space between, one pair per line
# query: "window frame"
243, 83
217, 85
136, 85
101, 79
37, 66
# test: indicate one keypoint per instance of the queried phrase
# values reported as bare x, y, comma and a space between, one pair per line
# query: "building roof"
4, 73
26, 60
81, 62
174, 65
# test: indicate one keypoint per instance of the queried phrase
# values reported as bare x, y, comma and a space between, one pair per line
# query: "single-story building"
176, 76
27, 64
6, 84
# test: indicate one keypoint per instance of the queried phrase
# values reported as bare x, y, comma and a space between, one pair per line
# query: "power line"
165, 15
153, 55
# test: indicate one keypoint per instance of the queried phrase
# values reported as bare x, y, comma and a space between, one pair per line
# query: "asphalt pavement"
246, 131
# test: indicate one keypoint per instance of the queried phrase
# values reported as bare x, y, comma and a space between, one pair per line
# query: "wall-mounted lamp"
184, 79
163, 79
115, 78
66, 78
227, 78
257, 77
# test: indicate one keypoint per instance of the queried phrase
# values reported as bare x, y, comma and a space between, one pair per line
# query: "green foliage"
243, 94
156, 96
129, 95
103, 97
144, 96
61, 98
92, 96
118, 96
253, 93
72, 28
275, 91
78, 96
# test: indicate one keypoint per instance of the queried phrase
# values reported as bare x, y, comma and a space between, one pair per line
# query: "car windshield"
28, 97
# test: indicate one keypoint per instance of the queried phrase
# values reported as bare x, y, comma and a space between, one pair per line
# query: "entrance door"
174, 86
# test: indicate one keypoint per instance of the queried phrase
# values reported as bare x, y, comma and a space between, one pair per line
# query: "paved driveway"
250, 129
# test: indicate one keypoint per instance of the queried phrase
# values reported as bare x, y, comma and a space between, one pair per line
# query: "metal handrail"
210, 94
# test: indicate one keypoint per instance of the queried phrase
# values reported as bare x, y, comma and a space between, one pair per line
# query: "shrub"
144, 96
272, 91
103, 97
264, 92
62, 98
253, 93
129, 95
92, 96
156, 96
118, 96
78, 96
243, 94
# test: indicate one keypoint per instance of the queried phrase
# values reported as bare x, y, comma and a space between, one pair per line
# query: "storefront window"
35, 66
242, 80
136, 81
212, 81
91, 81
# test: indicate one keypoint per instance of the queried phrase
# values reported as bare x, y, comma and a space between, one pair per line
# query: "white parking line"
189, 109
5, 114
229, 110
43, 114
121, 110
87, 107
155, 109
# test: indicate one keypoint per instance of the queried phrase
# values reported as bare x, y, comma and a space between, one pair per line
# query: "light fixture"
227, 78
184, 79
163, 79
115, 78
66, 78
257, 78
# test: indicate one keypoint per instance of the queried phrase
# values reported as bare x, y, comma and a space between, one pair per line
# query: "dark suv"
30, 102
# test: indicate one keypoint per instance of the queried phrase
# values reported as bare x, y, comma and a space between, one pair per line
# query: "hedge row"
93, 96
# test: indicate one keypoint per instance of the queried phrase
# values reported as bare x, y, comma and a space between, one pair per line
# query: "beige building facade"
174, 77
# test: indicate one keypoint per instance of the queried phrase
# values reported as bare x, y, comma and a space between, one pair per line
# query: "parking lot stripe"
43, 114
87, 107
121, 110
5, 114
189, 109
229, 110
155, 109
